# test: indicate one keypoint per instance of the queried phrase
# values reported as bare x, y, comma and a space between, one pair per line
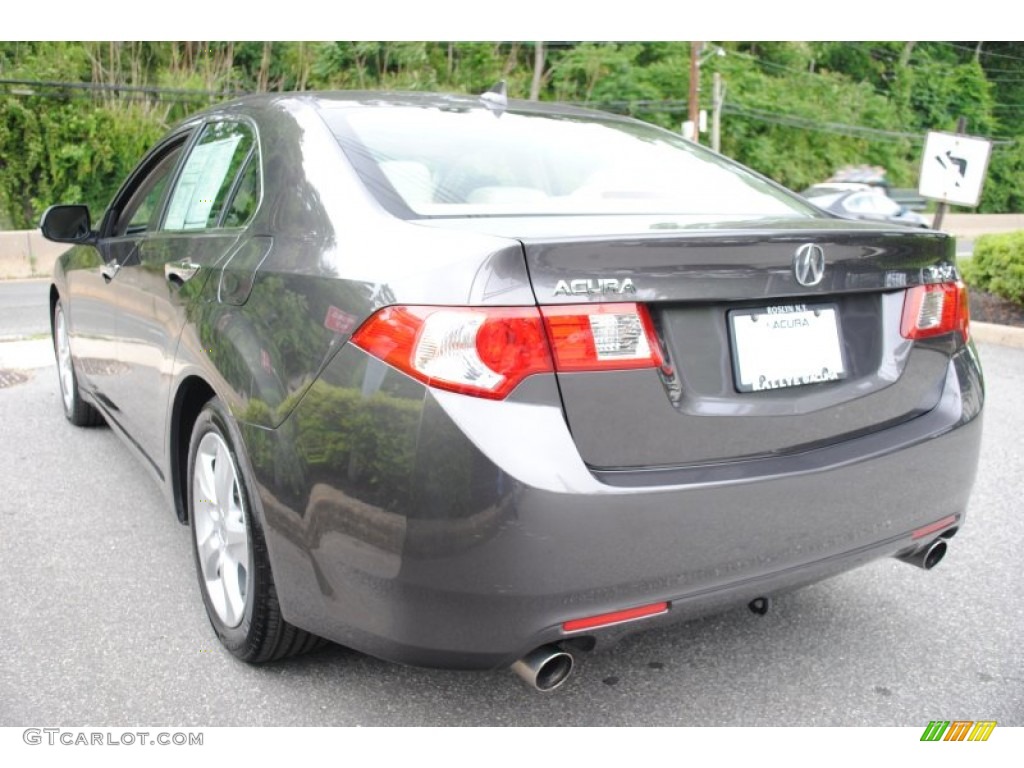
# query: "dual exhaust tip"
545, 668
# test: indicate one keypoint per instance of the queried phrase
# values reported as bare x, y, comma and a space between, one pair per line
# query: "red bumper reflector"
938, 525
616, 617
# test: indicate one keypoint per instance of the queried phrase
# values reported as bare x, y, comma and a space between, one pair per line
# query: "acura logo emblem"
809, 264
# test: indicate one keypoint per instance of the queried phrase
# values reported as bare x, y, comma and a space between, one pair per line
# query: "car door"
93, 283
198, 227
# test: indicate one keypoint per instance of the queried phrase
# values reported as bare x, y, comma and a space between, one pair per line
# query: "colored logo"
958, 730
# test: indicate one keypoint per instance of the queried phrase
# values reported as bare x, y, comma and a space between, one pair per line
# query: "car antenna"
495, 98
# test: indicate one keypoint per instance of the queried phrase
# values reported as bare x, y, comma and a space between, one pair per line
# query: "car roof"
838, 186
335, 100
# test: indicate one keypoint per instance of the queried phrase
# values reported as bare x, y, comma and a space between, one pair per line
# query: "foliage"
796, 111
69, 152
786, 150
997, 265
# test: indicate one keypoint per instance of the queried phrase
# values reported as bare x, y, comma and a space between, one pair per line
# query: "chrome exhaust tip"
929, 556
545, 668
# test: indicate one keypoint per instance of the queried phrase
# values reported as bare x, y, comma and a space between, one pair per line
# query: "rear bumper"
493, 533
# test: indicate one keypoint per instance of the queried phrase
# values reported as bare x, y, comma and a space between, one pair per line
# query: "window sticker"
200, 181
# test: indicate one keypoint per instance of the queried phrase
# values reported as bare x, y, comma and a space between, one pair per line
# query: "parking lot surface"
101, 621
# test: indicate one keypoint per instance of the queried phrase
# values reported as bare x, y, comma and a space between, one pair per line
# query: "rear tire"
76, 410
230, 551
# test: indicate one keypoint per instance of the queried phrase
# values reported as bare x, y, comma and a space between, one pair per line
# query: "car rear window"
474, 162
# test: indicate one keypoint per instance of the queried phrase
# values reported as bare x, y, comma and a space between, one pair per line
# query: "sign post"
953, 170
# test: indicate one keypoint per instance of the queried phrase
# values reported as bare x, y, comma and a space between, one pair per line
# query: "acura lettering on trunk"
472, 382
596, 286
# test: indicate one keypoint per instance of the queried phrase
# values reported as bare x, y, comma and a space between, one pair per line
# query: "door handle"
180, 272
109, 270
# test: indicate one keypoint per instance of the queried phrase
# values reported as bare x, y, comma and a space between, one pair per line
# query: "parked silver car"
862, 201
470, 383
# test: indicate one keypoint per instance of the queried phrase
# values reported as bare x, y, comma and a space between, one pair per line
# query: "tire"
77, 411
230, 551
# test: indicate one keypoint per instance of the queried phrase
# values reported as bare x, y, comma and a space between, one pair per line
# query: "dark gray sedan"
464, 382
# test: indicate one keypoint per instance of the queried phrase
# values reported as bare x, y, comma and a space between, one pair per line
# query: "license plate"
786, 346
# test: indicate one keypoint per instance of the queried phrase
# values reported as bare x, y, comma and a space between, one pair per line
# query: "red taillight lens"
932, 310
602, 337
487, 351
484, 352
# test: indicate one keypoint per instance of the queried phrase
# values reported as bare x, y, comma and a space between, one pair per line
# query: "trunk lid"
710, 294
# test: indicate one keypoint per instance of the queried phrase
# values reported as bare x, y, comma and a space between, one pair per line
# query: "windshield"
471, 162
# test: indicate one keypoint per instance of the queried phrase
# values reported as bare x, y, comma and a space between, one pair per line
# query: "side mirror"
67, 224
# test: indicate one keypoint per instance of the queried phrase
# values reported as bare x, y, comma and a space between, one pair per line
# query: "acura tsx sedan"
468, 382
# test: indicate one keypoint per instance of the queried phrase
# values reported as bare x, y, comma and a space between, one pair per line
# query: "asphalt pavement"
101, 621
24, 308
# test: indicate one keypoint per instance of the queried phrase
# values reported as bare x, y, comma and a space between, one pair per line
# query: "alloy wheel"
222, 537
64, 368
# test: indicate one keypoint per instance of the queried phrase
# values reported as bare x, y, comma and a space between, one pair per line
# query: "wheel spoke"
206, 540
204, 479
223, 477
215, 589
211, 559
236, 536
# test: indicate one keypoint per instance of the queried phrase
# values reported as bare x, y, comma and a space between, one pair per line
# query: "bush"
997, 266
66, 153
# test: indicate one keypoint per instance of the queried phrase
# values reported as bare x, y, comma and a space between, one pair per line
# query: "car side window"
872, 203
208, 176
141, 211
246, 195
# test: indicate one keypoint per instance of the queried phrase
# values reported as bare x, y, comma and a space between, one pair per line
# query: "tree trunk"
303, 67
264, 75
538, 71
908, 48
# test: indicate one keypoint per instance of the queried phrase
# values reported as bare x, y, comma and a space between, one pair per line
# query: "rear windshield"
429, 162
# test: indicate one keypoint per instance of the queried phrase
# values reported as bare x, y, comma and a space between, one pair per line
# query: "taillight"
932, 310
487, 351
602, 337
484, 352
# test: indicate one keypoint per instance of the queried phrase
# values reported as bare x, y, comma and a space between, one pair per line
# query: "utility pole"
693, 102
940, 210
718, 96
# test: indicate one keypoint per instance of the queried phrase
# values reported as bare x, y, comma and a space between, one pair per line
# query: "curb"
1003, 335
23, 354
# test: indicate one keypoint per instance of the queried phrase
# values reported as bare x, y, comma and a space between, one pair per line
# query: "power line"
110, 87
812, 74
983, 51
796, 121
673, 106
